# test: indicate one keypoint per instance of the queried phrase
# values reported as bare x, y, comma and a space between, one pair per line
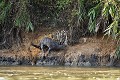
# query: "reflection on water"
58, 73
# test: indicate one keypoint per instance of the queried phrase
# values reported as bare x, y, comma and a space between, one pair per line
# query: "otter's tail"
37, 46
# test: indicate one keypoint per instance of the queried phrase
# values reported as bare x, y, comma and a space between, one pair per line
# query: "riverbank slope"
90, 51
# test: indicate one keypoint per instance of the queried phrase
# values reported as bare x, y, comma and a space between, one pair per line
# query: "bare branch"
3, 42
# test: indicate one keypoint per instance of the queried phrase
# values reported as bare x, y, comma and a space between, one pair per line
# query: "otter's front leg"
46, 54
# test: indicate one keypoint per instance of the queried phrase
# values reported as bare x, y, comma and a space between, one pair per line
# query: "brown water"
58, 73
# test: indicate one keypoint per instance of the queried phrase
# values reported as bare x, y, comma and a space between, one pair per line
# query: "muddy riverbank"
90, 52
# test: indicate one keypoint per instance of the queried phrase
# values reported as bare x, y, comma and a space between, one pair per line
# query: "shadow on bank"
60, 59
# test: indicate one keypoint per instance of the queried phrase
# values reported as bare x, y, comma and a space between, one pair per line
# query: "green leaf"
2, 4
5, 12
105, 11
117, 52
29, 26
112, 11
112, 28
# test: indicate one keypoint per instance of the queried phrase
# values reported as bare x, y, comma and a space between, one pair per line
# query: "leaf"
112, 11
4, 12
92, 25
112, 28
117, 52
93, 13
105, 10
2, 4
115, 27
29, 26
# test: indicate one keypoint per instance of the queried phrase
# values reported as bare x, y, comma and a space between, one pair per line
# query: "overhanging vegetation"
79, 16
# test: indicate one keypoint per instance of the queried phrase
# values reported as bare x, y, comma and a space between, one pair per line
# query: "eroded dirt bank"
92, 51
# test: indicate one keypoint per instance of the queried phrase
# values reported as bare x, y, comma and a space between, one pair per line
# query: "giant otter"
47, 45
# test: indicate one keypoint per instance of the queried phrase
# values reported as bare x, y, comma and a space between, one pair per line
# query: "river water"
58, 73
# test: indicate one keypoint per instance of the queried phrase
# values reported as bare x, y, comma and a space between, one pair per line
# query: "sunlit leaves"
105, 11
111, 8
112, 29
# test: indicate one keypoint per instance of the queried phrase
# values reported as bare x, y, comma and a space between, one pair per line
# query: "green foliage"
106, 9
4, 10
117, 52
23, 18
93, 14
100, 8
81, 10
112, 29
111, 8
43, 2
63, 3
